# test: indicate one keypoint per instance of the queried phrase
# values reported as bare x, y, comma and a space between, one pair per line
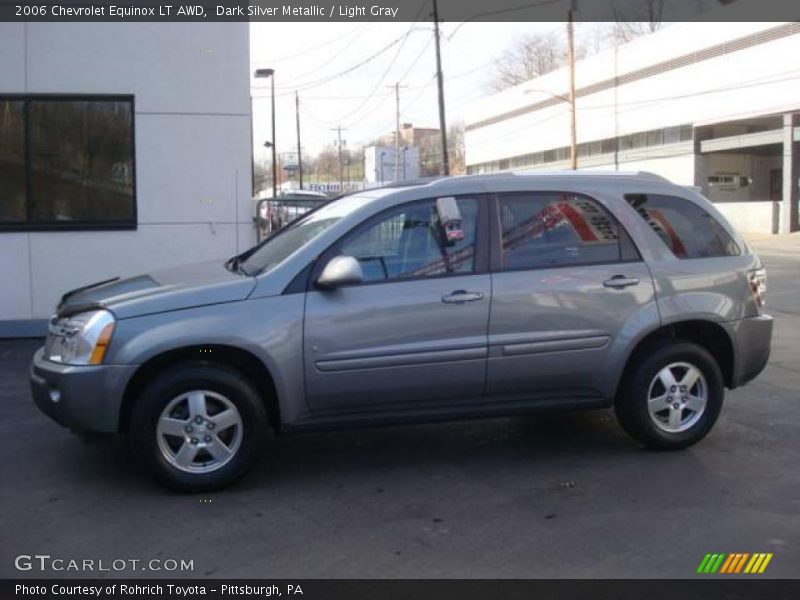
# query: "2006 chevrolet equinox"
462, 297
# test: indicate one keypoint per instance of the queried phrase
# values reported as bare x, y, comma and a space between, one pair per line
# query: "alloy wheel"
677, 397
199, 431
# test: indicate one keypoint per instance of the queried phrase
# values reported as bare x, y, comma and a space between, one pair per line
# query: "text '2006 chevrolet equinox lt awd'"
462, 297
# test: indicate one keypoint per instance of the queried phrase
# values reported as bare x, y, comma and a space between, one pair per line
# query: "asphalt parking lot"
565, 496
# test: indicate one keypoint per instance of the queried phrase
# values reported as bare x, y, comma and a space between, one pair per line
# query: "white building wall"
379, 164
750, 217
192, 136
756, 168
678, 169
758, 80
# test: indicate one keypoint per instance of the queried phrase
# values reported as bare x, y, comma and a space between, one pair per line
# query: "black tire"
187, 377
631, 405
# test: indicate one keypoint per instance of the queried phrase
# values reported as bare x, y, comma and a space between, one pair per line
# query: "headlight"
81, 339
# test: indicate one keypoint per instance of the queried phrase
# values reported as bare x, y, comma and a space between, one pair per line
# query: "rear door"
414, 333
568, 287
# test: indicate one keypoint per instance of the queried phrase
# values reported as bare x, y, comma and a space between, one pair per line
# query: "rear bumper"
752, 339
85, 399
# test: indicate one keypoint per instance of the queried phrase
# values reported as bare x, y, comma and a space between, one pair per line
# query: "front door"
414, 333
568, 285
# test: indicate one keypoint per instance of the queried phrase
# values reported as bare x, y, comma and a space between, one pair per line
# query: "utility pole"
299, 152
338, 131
261, 74
440, 85
397, 87
573, 144
397, 132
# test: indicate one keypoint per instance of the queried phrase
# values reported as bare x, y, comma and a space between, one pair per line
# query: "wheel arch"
233, 357
709, 335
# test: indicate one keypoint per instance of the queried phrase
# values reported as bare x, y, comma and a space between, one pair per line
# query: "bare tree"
531, 56
430, 152
262, 178
636, 19
455, 148
325, 167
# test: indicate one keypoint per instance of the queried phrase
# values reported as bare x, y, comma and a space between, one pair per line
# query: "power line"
490, 13
334, 56
371, 94
312, 117
416, 60
347, 71
421, 93
324, 44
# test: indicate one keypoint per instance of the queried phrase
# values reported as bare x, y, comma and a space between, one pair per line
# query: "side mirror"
450, 219
340, 270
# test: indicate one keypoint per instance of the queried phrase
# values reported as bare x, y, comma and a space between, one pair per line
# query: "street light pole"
299, 151
260, 74
397, 132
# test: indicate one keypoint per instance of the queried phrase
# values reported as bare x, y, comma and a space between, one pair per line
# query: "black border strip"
733, 587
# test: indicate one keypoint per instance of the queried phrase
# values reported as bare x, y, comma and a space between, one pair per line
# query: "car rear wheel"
197, 426
671, 396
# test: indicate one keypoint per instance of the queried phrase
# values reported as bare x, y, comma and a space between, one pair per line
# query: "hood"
188, 286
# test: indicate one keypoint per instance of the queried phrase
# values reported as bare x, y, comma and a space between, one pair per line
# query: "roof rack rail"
583, 173
412, 182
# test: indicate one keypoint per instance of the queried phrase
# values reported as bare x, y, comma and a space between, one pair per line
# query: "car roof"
585, 181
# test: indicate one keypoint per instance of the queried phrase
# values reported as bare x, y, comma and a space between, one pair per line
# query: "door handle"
620, 281
461, 296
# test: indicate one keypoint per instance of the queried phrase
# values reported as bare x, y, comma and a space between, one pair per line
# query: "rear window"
686, 229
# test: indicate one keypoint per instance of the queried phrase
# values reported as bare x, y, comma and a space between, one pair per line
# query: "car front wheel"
197, 426
672, 395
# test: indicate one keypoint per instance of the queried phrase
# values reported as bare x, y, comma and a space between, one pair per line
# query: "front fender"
269, 328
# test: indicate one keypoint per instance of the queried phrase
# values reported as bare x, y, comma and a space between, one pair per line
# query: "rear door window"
686, 229
551, 229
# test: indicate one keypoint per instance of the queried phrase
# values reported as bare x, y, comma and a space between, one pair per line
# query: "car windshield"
278, 248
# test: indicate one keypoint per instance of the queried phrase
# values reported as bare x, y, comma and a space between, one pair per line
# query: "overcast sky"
305, 54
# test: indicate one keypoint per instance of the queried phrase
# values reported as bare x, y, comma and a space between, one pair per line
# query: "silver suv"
463, 297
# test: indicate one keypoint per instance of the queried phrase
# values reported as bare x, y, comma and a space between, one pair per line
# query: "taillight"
758, 286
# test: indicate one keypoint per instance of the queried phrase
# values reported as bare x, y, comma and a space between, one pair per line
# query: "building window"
66, 162
640, 140
686, 229
655, 137
672, 135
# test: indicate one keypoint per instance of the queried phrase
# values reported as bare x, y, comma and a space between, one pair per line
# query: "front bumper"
85, 399
752, 339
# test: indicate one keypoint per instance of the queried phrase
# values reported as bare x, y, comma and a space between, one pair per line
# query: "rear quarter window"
686, 229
